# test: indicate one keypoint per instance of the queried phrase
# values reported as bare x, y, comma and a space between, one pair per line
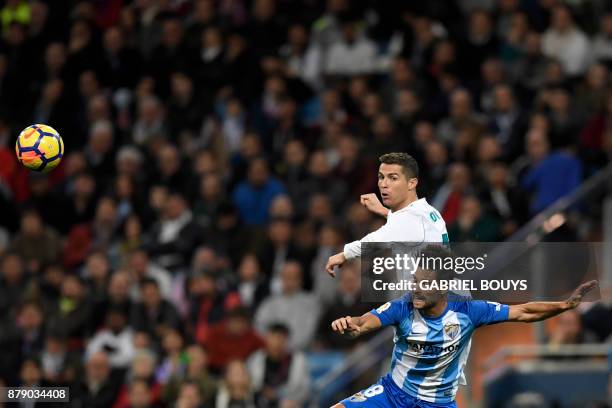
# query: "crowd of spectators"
215, 154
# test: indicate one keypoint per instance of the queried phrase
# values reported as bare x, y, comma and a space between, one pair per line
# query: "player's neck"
412, 197
436, 310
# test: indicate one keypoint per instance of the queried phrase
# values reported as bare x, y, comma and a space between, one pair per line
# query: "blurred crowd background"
215, 155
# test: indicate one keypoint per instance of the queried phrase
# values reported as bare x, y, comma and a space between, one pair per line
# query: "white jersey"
418, 222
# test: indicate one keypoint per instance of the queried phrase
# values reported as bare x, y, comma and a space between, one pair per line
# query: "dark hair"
239, 312
117, 310
57, 333
174, 193
409, 165
260, 158
436, 256
149, 282
30, 209
279, 328
31, 303
190, 383
35, 360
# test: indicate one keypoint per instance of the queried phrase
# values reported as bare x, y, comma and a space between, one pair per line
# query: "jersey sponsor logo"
383, 307
373, 391
432, 349
451, 330
359, 397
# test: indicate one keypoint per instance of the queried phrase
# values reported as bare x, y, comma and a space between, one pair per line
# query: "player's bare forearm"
360, 329
537, 311
355, 326
368, 322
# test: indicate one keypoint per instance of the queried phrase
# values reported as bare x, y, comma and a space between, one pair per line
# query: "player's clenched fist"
346, 324
333, 261
373, 204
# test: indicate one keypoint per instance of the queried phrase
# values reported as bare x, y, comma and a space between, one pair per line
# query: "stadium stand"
215, 154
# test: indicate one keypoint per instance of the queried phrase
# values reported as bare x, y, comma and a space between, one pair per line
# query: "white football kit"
417, 223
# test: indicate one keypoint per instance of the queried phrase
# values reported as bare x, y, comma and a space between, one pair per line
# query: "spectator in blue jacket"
552, 175
254, 196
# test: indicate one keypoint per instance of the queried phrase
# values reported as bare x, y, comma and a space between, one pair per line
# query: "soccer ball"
39, 148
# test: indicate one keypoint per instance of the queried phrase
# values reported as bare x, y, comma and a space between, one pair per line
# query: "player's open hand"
346, 325
373, 204
333, 261
576, 297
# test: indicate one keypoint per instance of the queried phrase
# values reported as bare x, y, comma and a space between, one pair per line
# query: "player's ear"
412, 183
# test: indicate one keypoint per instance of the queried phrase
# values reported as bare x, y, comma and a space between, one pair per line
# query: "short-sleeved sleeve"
483, 313
401, 227
391, 313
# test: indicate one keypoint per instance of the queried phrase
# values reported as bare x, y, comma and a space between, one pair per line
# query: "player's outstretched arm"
357, 325
536, 311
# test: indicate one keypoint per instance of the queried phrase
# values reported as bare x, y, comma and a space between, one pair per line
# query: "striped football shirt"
430, 353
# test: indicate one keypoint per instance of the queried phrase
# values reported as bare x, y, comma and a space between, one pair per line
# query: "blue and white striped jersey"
430, 353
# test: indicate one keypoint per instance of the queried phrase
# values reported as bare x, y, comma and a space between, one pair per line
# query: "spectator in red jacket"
84, 238
233, 338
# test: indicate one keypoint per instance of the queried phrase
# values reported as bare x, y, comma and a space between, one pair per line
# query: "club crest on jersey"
359, 397
451, 330
383, 307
